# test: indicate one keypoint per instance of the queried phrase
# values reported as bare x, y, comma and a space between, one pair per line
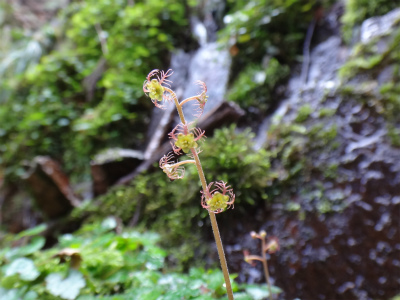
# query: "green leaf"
66, 288
31, 295
33, 231
109, 223
35, 245
8, 294
259, 292
24, 267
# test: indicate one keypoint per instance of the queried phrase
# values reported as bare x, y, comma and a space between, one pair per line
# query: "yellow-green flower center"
156, 90
185, 142
218, 202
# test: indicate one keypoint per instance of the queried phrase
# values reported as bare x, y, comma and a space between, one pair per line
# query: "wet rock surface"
350, 250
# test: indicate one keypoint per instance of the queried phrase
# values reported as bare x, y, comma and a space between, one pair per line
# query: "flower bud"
273, 245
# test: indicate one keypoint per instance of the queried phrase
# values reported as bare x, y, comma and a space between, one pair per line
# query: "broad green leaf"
24, 267
31, 295
66, 288
8, 294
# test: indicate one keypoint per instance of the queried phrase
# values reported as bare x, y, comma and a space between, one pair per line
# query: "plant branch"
187, 100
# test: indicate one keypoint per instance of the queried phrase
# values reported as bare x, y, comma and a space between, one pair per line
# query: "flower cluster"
218, 196
273, 243
271, 246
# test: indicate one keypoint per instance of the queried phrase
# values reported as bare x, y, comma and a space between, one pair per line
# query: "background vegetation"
72, 87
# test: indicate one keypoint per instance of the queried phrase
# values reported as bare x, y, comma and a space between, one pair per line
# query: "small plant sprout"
271, 247
216, 197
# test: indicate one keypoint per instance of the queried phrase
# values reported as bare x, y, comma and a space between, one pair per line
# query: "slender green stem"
199, 169
224, 265
178, 107
265, 265
214, 225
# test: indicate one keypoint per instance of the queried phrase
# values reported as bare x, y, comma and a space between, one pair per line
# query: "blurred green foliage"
174, 210
79, 96
96, 263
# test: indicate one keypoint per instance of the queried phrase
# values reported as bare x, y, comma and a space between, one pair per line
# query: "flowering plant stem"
215, 229
213, 219
215, 199
271, 247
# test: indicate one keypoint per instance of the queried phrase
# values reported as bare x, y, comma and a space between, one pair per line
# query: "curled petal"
201, 99
170, 168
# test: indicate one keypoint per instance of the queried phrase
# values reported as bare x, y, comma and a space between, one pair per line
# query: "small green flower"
218, 199
218, 202
155, 90
185, 142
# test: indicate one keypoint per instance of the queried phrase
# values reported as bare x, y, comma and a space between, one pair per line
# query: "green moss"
326, 112
331, 171
293, 206
365, 58
394, 135
356, 11
303, 113
294, 148
356, 65
255, 85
